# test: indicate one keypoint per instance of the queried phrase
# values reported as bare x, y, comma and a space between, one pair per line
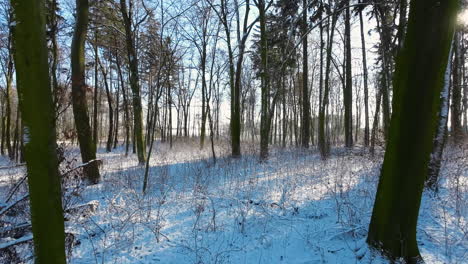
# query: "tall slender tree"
80, 109
348, 87
419, 77
265, 101
33, 82
305, 126
134, 78
365, 80
456, 107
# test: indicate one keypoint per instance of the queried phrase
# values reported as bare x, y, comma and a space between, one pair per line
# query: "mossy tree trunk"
419, 77
32, 75
80, 109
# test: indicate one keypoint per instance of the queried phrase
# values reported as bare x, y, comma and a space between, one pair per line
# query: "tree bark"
80, 110
32, 75
134, 83
96, 90
418, 78
323, 145
365, 76
109, 104
455, 122
264, 124
348, 89
125, 104
441, 132
305, 126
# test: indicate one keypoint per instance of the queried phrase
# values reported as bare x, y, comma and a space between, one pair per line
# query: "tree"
441, 132
235, 67
419, 77
348, 88
264, 125
134, 77
305, 126
324, 100
8, 72
365, 78
80, 110
32, 75
456, 114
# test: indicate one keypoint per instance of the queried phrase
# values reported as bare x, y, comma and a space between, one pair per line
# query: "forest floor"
294, 208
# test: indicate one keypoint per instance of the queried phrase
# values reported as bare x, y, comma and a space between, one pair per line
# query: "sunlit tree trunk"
32, 76
441, 132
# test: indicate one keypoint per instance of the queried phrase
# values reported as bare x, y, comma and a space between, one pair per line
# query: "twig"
15, 188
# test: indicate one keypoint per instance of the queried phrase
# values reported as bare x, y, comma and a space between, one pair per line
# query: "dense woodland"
384, 79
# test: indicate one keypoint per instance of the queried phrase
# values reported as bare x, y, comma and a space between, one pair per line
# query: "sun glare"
463, 17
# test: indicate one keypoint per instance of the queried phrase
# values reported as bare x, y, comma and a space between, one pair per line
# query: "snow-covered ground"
294, 208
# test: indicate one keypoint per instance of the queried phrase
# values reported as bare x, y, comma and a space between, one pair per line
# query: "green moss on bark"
37, 111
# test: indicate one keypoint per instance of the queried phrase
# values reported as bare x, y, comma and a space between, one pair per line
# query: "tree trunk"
134, 83
264, 124
9, 81
348, 90
111, 109
418, 78
305, 78
125, 104
96, 95
323, 146
32, 75
441, 132
385, 50
366, 87
455, 122
80, 110
203, 109
53, 29
116, 128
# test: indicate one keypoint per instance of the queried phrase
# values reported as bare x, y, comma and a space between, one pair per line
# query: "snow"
294, 208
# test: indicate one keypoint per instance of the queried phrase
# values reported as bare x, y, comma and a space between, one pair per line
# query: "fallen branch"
13, 166
83, 165
11, 205
23, 226
21, 240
